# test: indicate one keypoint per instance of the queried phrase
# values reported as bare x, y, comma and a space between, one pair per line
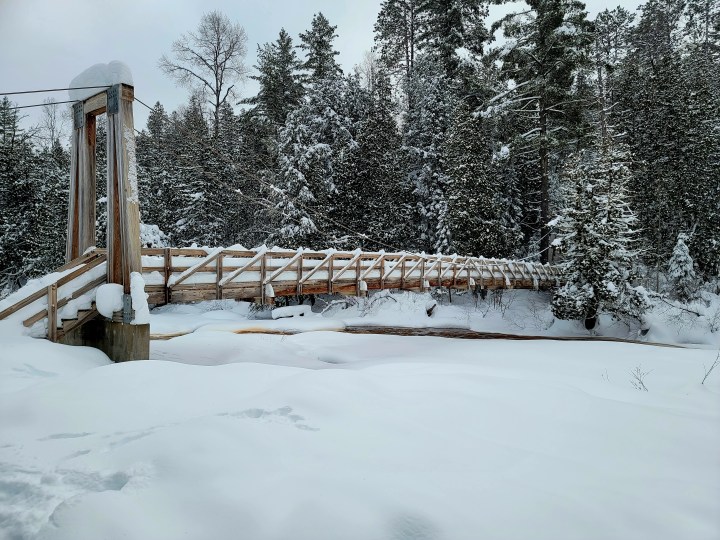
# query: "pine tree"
545, 47
426, 125
681, 272
374, 196
16, 199
315, 138
320, 55
397, 34
481, 212
596, 238
447, 26
154, 171
281, 88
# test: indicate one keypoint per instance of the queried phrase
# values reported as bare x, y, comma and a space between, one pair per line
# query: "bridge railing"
63, 299
191, 274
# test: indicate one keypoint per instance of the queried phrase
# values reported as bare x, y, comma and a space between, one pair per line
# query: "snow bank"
358, 437
114, 72
109, 299
291, 311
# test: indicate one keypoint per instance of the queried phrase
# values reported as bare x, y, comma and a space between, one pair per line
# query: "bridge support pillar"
120, 341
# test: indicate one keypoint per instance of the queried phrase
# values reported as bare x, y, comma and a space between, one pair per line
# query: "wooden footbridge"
183, 275
61, 306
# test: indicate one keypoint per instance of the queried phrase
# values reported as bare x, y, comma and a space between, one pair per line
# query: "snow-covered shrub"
152, 237
681, 272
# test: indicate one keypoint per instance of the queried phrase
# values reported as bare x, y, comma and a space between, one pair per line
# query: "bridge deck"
182, 275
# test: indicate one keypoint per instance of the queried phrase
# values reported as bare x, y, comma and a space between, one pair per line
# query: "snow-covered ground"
331, 435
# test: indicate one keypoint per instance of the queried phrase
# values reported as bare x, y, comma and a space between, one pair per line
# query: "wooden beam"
236, 273
52, 311
123, 203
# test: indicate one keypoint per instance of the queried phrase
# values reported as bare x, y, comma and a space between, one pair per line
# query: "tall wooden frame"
123, 209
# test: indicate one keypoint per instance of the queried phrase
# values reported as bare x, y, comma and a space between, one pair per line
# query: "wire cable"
43, 104
51, 90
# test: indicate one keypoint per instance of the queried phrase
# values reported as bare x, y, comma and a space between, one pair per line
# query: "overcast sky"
45, 43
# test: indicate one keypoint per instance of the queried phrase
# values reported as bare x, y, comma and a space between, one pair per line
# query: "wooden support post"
331, 264
298, 285
263, 271
167, 265
52, 312
218, 277
358, 267
123, 204
402, 274
422, 275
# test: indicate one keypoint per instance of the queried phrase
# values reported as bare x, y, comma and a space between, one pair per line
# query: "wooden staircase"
80, 277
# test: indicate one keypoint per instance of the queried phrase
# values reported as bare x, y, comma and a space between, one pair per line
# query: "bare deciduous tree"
210, 59
53, 123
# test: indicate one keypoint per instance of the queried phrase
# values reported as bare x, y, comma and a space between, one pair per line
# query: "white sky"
45, 43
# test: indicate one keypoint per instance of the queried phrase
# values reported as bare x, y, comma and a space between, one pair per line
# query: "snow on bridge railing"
192, 274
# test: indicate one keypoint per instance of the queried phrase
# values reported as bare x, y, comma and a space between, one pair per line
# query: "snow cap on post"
114, 72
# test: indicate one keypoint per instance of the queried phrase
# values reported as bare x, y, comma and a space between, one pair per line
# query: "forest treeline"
545, 134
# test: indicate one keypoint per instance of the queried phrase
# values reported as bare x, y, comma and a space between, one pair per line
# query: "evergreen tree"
315, 138
199, 194
16, 199
596, 237
320, 54
447, 26
481, 212
545, 47
50, 179
374, 195
155, 182
281, 89
397, 34
426, 124
681, 272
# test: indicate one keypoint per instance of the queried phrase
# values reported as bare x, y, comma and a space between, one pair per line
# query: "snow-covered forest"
544, 135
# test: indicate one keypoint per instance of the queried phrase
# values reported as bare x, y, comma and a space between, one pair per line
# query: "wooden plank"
95, 104
78, 261
52, 311
72, 250
370, 268
167, 268
87, 187
80, 271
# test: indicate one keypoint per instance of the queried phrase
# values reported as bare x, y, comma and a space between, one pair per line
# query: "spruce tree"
315, 139
482, 215
426, 124
681, 272
281, 89
545, 47
596, 237
319, 52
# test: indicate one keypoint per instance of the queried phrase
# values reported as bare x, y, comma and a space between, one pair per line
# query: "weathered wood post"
119, 338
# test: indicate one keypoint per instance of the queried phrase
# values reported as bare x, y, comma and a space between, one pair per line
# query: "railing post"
298, 285
331, 264
168, 272
263, 271
218, 276
52, 312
